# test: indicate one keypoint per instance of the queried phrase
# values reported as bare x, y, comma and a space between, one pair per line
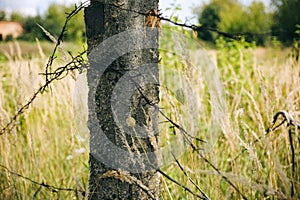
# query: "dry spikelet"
153, 20
54, 40
41, 52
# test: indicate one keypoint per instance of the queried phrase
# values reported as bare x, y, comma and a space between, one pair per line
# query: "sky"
186, 14
32, 7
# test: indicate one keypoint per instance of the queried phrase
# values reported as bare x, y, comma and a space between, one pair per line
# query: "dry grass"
44, 146
259, 164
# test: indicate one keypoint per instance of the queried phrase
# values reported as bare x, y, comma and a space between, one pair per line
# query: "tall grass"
258, 83
43, 145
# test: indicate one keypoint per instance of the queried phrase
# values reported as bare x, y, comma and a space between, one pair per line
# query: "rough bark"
104, 19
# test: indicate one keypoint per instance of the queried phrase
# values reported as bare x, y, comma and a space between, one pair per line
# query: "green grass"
259, 82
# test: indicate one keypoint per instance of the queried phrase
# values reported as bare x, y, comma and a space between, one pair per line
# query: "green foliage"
296, 46
76, 27
298, 31
232, 17
2, 15
53, 21
3, 58
235, 57
31, 30
258, 22
209, 17
286, 17
17, 16
234, 53
275, 43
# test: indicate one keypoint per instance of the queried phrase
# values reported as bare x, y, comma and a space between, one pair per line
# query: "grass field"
43, 146
258, 82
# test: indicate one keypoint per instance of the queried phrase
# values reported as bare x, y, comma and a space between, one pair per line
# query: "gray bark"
115, 175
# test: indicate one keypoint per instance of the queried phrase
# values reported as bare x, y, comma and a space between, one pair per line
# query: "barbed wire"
51, 188
189, 140
205, 197
199, 28
51, 76
59, 40
290, 123
77, 63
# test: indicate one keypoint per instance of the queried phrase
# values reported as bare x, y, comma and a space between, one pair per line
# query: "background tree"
103, 21
209, 17
76, 27
286, 17
230, 16
259, 23
2, 15
17, 16
54, 18
31, 29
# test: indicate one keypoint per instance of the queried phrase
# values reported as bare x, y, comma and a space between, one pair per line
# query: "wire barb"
41, 184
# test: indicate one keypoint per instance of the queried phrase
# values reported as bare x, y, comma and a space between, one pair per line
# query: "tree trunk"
123, 93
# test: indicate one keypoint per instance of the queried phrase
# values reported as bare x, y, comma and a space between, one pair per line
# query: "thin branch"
287, 117
223, 176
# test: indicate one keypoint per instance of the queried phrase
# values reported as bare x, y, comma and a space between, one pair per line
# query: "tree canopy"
255, 21
209, 17
286, 17
52, 21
